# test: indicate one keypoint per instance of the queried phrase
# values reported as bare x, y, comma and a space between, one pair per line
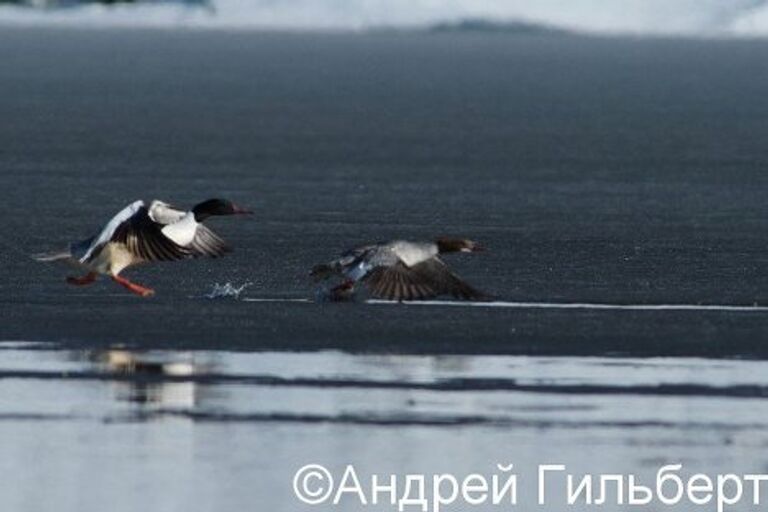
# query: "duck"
144, 233
400, 270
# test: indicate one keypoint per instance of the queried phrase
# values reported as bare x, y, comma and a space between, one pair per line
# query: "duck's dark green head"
217, 207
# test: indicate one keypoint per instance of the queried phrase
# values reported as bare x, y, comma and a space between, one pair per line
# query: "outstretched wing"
182, 228
87, 249
424, 280
398, 282
144, 238
164, 213
208, 243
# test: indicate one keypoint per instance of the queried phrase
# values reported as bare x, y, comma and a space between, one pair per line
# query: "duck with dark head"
139, 233
213, 207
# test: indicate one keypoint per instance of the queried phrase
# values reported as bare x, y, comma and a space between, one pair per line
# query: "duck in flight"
401, 270
142, 234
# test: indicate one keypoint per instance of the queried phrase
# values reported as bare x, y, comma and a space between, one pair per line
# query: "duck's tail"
52, 256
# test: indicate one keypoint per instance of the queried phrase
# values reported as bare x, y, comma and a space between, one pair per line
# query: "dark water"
610, 171
597, 170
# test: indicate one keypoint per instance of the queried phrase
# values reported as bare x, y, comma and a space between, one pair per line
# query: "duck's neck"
449, 245
203, 210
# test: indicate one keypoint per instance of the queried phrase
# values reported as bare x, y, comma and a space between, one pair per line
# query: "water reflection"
575, 394
412, 367
177, 420
152, 378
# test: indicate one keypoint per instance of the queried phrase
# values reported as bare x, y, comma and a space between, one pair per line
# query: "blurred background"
659, 17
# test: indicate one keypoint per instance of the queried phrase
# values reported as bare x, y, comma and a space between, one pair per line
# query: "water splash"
227, 291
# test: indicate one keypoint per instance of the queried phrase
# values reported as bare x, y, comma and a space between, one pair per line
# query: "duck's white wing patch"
183, 231
109, 229
163, 213
197, 238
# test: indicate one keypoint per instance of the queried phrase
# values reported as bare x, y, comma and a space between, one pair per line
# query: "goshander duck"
401, 270
140, 234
